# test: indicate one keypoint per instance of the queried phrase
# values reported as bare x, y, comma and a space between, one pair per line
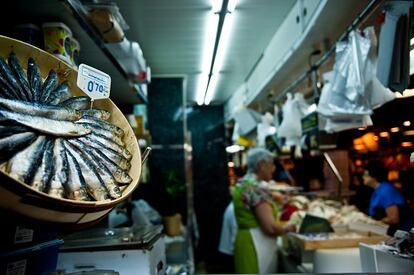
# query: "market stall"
323, 87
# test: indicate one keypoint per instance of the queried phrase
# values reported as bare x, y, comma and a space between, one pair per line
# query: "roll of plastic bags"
325, 98
348, 86
376, 93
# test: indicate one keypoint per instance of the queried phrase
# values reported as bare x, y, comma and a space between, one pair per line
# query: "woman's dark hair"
376, 169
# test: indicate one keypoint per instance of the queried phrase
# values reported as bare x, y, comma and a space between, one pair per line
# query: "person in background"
255, 249
227, 237
387, 203
281, 174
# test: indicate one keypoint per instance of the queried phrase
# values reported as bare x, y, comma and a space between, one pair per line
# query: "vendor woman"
256, 213
387, 203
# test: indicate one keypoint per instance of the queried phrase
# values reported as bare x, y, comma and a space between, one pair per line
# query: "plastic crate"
36, 259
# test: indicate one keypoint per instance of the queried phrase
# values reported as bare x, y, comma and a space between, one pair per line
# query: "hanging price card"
93, 82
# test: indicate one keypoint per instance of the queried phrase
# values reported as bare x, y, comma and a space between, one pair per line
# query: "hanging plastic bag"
348, 86
264, 129
293, 110
376, 93
325, 98
352, 90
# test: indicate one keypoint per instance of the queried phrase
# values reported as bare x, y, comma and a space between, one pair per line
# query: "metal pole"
144, 156
336, 173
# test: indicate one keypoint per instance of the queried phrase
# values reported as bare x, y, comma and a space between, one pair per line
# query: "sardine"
16, 142
35, 79
95, 128
105, 142
106, 176
25, 163
6, 91
20, 75
8, 77
48, 86
103, 124
98, 113
7, 130
76, 185
60, 171
122, 162
61, 93
120, 175
94, 183
77, 102
38, 109
46, 125
41, 181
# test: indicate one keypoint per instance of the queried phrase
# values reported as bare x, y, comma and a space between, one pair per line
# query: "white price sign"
93, 82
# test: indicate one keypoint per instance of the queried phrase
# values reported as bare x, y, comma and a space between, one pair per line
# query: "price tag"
93, 82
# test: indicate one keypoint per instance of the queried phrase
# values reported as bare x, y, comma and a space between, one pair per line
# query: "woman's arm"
267, 222
393, 215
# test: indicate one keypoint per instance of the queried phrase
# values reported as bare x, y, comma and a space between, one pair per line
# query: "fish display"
54, 141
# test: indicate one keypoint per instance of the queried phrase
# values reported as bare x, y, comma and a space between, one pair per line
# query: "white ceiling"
171, 36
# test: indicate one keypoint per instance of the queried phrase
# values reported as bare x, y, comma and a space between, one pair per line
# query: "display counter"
324, 252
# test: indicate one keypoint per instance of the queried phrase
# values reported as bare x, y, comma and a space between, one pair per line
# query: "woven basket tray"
18, 197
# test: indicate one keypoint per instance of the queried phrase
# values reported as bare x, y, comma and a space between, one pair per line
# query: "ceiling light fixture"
407, 144
234, 148
210, 32
384, 134
219, 23
395, 129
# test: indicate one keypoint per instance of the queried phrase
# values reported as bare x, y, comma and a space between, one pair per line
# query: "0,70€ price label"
93, 82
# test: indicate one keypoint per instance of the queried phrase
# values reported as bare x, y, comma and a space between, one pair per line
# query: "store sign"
310, 131
94, 83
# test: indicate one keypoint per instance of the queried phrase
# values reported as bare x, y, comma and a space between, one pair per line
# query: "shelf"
79, 13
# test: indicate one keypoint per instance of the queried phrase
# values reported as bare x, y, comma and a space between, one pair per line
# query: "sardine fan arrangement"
52, 140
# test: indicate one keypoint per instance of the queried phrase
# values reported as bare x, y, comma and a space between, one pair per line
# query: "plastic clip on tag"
94, 83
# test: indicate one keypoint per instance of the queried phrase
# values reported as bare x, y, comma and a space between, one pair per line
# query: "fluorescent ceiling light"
216, 5
406, 144
405, 93
409, 133
221, 53
210, 33
231, 6
234, 148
